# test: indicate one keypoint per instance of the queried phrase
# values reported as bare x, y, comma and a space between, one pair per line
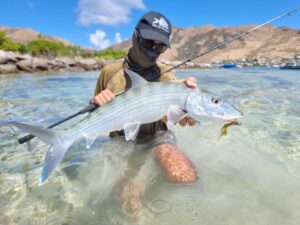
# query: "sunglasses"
151, 45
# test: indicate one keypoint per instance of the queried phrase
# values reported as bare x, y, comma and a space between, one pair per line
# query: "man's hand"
186, 120
103, 97
190, 82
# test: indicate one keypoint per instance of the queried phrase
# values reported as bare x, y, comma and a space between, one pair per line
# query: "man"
150, 39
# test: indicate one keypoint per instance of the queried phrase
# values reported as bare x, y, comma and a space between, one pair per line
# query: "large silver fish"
144, 102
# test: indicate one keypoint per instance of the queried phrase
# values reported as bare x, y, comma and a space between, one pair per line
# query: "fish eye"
216, 100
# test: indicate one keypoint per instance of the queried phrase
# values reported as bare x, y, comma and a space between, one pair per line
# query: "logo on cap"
161, 23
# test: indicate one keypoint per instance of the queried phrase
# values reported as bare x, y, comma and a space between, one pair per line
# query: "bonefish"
144, 102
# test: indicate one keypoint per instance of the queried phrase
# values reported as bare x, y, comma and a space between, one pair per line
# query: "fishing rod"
89, 108
92, 107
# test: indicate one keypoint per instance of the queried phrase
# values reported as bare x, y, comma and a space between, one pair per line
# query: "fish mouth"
234, 121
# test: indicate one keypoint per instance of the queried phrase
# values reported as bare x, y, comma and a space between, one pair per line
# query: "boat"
229, 65
291, 66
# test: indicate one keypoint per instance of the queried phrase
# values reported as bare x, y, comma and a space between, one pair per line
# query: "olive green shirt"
112, 77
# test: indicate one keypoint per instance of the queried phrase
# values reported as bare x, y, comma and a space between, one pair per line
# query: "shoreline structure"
11, 62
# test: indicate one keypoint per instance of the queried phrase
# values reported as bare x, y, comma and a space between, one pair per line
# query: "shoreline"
14, 63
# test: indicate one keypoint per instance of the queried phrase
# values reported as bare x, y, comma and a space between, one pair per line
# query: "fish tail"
55, 153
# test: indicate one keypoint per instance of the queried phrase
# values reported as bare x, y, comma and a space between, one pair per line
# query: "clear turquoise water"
251, 176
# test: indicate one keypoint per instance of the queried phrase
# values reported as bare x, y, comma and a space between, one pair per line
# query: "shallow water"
251, 176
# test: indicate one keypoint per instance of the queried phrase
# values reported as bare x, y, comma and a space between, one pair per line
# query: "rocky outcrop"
7, 57
89, 64
8, 68
14, 63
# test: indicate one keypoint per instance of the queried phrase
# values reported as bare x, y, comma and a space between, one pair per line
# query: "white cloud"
98, 39
118, 38
107, 12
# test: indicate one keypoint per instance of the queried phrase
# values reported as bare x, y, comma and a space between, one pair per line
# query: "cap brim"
154, 35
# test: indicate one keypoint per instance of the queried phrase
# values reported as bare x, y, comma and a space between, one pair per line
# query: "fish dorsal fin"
136, 79
175, 113
131, 130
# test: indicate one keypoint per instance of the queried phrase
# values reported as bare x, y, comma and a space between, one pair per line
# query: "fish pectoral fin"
175, 113
131, 130
90, 139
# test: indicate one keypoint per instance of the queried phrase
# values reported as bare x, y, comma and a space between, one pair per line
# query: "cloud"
118, 38
98, 39
107, 12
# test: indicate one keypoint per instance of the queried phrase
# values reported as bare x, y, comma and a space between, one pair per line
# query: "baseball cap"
155, 26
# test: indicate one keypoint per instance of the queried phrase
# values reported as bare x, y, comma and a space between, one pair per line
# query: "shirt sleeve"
112, 78
101, 83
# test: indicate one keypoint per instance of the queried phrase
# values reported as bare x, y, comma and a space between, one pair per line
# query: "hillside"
267, 42
24, 35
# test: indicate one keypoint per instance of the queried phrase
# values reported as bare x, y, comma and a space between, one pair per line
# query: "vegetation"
9, 45
44, 47
110, 53
2, 37
47, 48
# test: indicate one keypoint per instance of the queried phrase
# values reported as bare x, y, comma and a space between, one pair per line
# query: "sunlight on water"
251, 176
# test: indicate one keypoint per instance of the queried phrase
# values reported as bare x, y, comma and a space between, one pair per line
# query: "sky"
100, 23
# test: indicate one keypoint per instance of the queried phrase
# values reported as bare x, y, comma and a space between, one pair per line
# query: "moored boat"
229, 65
291, 66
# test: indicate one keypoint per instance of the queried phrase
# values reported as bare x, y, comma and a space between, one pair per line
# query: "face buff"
142, 57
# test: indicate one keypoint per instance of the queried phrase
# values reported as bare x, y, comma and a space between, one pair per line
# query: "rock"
23, 57
66, 61
29, 65
41, 64
57, 65
7, 57
89, 64
26, 65
8, 68
75, 69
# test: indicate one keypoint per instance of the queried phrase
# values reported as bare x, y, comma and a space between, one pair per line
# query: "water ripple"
254, 169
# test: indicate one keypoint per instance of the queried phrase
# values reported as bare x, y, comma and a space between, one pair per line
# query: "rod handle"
25, 139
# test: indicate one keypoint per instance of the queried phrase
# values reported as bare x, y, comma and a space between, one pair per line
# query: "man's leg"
176, 165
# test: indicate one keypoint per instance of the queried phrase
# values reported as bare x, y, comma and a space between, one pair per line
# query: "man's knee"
177, 166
